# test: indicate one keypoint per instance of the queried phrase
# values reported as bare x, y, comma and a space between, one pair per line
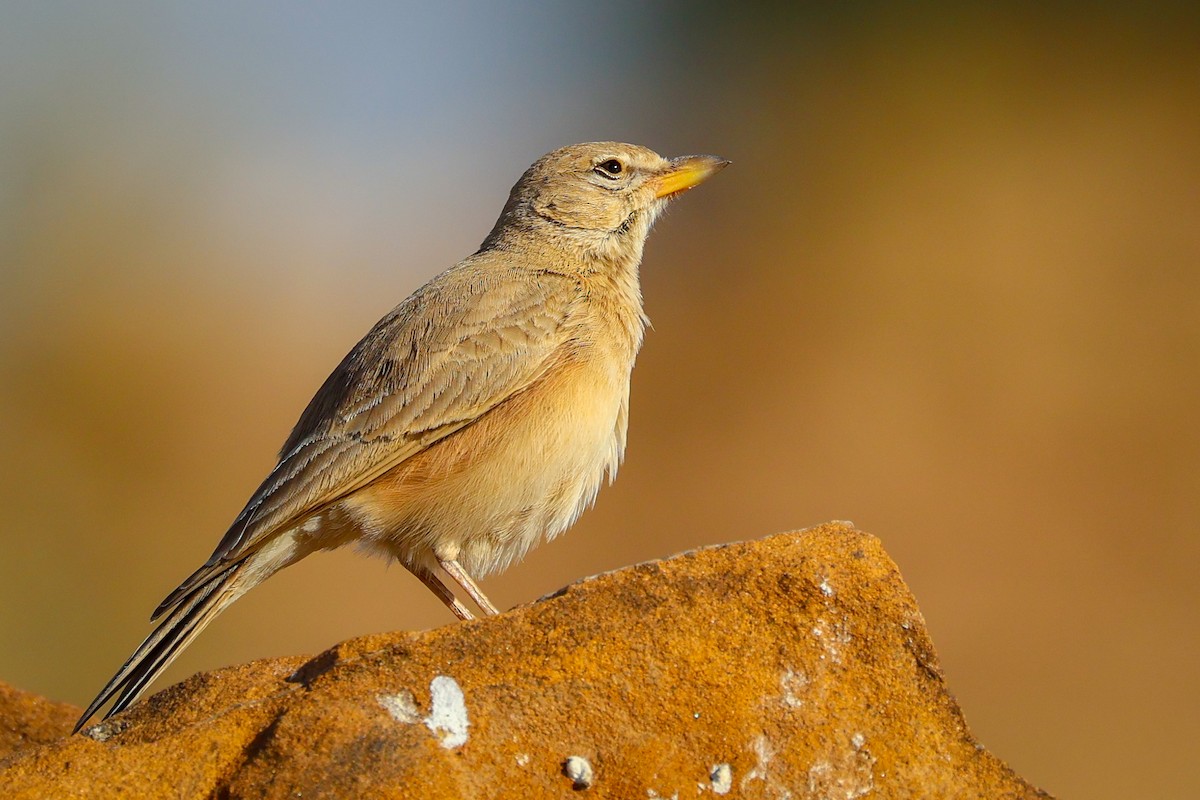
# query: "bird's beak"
686, 172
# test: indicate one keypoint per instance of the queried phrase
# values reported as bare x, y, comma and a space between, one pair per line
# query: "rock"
795, 666
27, 720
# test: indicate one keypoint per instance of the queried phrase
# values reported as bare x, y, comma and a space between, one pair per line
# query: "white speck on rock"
825, 588
579, 770
763, 753
793, 685
522, 759
844, 775
103, 731
834, 636
448, 715
721, 776
401, 706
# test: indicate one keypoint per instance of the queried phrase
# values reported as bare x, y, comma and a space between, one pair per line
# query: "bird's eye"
611, 168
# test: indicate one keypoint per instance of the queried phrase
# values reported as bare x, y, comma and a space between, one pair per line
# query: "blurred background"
949, 290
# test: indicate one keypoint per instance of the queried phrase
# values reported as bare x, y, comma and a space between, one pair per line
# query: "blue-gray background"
950, 290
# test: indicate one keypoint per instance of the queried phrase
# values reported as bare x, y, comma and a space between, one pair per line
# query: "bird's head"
598, 200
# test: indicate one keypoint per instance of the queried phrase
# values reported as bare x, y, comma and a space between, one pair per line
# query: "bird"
477, 419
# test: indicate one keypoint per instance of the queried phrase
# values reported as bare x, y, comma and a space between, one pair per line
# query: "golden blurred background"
949, 290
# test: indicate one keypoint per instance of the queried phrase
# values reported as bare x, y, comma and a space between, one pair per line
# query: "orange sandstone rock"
796, 666
27, 720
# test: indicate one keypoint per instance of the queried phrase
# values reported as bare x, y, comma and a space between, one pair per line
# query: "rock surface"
797, 666
27, 720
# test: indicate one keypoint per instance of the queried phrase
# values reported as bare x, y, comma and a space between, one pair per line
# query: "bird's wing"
462, 344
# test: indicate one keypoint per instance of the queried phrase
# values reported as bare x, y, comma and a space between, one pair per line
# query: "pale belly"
522, 473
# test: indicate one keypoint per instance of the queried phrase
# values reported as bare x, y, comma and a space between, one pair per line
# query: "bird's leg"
455, 570
435, 585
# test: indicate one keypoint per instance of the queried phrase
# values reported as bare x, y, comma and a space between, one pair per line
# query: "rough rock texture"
797, 666
27, 720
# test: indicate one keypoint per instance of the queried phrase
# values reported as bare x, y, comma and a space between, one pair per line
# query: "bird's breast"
522, 472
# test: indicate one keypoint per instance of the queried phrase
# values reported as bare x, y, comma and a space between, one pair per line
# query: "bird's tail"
191, 614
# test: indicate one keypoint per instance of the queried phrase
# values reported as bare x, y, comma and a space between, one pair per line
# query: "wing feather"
465, 342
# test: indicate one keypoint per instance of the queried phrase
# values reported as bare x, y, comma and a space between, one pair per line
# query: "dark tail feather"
197, 579
194, 611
